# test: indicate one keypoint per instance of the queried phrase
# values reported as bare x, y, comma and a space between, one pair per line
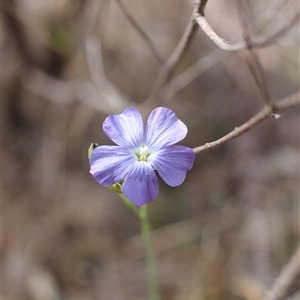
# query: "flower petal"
172, 163
110, 164
163, 129
141, 184
126, 129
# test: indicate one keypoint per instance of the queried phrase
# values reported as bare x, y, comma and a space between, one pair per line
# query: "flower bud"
92, 147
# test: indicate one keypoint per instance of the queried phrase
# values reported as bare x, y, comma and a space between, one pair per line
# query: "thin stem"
129, 204
153, 280
152, 274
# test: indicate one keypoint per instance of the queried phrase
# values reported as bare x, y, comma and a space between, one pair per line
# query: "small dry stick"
272, 12
246, 16
257, 73
141, 31
182, 80
224, 45
286, 280
113, 98
179, 51
266, 112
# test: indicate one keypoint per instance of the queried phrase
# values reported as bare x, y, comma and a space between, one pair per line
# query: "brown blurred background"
225, 233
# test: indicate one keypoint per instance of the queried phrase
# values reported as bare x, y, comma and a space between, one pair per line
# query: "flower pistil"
143, 153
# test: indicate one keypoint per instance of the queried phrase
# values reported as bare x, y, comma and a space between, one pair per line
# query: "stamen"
143, 154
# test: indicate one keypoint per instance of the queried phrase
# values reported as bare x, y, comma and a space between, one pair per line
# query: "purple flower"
139, 153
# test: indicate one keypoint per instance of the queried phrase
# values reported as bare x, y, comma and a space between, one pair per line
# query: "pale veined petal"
172, 163
126, 129
110, 164
141, 184
163, 129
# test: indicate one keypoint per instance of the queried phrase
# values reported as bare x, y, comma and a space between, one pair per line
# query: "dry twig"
141, 31
191, 73
257, 73
246, 16
179, 51
286, 280
110, 93
224, 45
182, 80
269, 16
266, 112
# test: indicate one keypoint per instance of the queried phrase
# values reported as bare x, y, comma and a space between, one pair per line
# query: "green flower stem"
129, 204
153, 280
152, 274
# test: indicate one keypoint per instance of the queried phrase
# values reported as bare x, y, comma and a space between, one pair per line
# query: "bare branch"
190, 74
256, 71
20, 22
286, 280
177, 54
141, 31
252, 60
202, 5
113, 97
100, 94
273, 11
182, 80
224, 45
63, 92
48, 87
266, 112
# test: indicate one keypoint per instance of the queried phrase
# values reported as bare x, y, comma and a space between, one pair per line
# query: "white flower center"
143, 153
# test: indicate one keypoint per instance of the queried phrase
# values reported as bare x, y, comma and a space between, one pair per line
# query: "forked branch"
224, 45
266, 112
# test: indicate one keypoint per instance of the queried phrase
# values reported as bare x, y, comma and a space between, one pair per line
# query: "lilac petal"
110, 164
163, 129
141, 184
172, 163
126, 129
